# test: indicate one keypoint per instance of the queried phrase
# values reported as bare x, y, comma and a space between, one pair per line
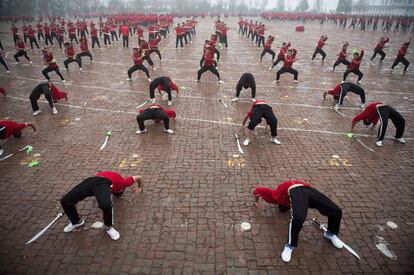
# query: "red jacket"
250, 112
84, 46
21, 46
11, 127
289, 60
170, 113
125, 30
94, 32
356, 62
118, 182
268, 44
402, 52
342, 55
31, 33
321, 43
137, 58
70, 52
48, 58
336, 91
209, 59
280, 195
369, 114
153, 44
283, 51
57, 94
381, 44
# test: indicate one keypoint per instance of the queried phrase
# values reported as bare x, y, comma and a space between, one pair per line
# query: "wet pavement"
197, 185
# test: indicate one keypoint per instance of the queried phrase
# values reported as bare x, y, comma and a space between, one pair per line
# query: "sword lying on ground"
27, 148
108, 134
143, 103
221, 100
238, 144
321, 226
44, 229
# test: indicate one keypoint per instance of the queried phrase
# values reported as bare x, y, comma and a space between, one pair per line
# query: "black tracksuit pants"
321, 52
21, 53
49, 69
351, 87
289, 70
302, 198
207, 68
42, 88
160, 81
380, 52
263, 111
385, 113
138, 67
268, 51
355, 71
402, 60
94, 186
343, 61
155, 114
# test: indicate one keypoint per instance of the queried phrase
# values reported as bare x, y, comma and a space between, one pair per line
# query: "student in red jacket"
401, 56
59, 36
378, 111
21, 51
15, 32
281, 55
3, 62
51, 64
125, 35
51, 93
319, 46
84, 50
299, 197
72, 33
341, 90
48, 37
259, 110
106, 32
354, 66
94, 37
155, 112
208, 65
268, 48
10, 128
163, 83
101, 186
342, 57
31, 34
70, 56
288, 61
379, 49
179, 32
138, 59
153, 46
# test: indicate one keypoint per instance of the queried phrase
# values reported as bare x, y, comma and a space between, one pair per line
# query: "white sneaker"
141, 132
343, 81
30, 62
35, 113
246, 142
1, 151
362, 106
235, 99
7, 72
400, 140
80, 69
295, 81
169, 131
161, 60
270, 68
334, 239
54, 111
359, 82
221, 81
17, 63
129, 79
275, 141
253, 99
217, 67
149, 80
336, 107
154, 69
379, 143
197, 80
113, 233
169, 103
63, 81
332, 69
152, 100
287, 253
70, 227
277, 81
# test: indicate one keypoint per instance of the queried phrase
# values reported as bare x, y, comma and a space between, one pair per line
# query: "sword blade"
104, 144
44, 229
240, 148
143, 103
351, 250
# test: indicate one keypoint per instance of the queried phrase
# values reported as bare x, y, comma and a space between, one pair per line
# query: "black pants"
95, 40
355, 71
380, 52
155, 114
70, 60
343, 61
60, 41
224, 41
33, 41
179, 38
284, 70
217, 52
138, 67
82, 34
321, 52
268, 51
155, 51
37, 92
79, 57
107, 40
277, 61
15, 37
302, 198
125, 41
53, 35
402, 60
94, 186
40, 35
261, 41
207, 68
164, 82
73, 37
4, 63
263, 111
385, 113
48, 39
147, 57
351, 87
21, 53
49, 69
113, 34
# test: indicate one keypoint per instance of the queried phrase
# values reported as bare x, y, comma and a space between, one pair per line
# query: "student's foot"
400, 140
54, 111
80, 69
362, 106
7, 72
161, 60
336, 107
253, 99
334, 240
333, 69
169, 131
91, 61
391, 69
1, 151
141, 132
30, 62
295, 81
197, 80
221, 81
169, 103
63, 81
149, 80
113, 233
246, 142
35, 113
154, 69
129, 79
343, 81
70, 227
235, 99
270, 68
378, 143
275, 141
17, 63
359, 82
287, 253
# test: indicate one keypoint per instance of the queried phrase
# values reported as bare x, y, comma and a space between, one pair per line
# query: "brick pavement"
197, 192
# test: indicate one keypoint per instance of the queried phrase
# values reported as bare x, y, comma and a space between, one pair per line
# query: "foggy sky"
291, 4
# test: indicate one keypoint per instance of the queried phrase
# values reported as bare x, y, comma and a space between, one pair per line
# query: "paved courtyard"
197, 186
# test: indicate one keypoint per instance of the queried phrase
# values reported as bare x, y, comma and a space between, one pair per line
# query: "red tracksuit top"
342, 55
250, 112
280, 195
356, 62
118, 182
153, 44
137, 58
402, 52
84, 47
268, 44
381, 44
289, 60
370, 114
283, 51
209, 59
70, 52
11, 127
321, 43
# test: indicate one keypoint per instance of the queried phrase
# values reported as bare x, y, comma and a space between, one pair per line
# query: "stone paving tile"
197, 192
